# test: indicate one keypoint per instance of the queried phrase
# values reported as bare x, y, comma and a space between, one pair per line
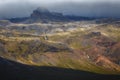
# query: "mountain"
52, 46
41, 15
44, 15
81, 45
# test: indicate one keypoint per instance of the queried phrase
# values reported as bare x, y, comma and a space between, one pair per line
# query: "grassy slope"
33, 52
11, 70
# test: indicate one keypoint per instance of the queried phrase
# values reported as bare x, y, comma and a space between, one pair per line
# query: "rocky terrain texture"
72, 49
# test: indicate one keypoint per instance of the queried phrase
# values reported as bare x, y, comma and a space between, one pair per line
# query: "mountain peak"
43, 14
42, 10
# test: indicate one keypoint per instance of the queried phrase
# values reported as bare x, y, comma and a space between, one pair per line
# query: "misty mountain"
44, 15
86, 8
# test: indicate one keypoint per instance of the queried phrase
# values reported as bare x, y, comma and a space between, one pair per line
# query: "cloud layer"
90, 8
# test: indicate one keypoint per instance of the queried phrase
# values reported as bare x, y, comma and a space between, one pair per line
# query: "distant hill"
17, 20
44, 15
4, 22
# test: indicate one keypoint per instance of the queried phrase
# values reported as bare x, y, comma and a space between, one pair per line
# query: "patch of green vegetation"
30, 51
113, 32
81, 64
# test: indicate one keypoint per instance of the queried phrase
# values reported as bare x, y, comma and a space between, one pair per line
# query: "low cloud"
17, 8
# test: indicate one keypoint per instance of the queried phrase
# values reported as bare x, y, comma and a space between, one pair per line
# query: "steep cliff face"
44, 14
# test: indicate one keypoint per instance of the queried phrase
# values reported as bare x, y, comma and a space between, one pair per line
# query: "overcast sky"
90, 8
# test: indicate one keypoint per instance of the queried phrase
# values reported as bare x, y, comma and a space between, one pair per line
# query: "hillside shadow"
10, 70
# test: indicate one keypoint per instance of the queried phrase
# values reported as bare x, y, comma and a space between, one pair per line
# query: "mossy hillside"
54, 52
23, 48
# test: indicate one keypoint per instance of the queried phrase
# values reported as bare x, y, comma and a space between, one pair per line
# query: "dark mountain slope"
10, 70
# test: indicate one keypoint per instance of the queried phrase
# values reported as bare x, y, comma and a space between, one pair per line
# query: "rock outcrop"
43, 14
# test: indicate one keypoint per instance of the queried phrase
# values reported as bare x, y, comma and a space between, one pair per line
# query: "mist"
92, 8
